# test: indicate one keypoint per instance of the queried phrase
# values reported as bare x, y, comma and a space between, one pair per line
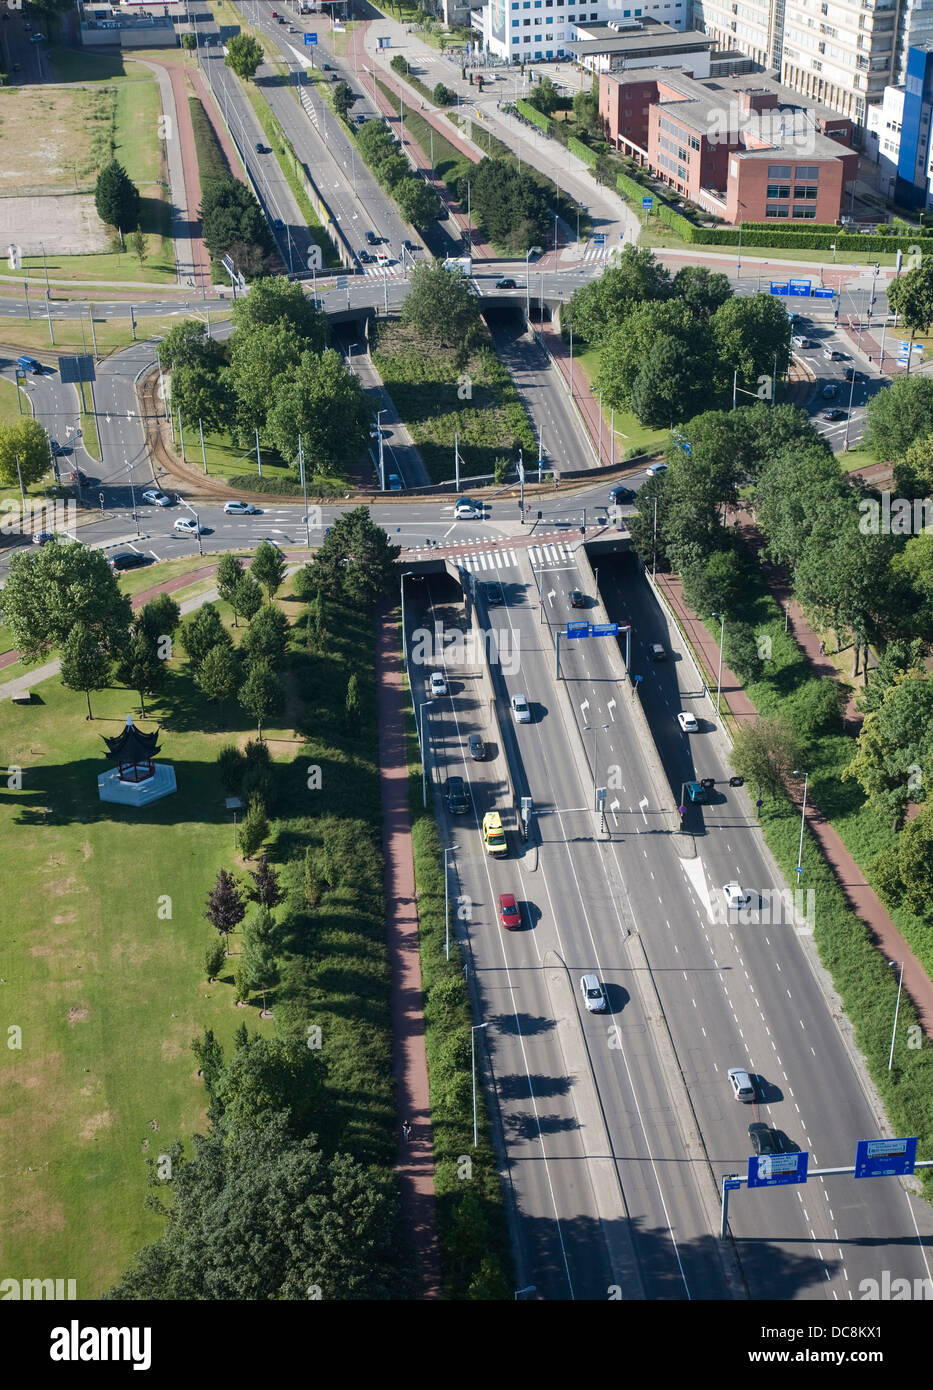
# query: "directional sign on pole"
578, 629
777, 1170
599, 238
310, 39
800, 288
731, 1184
647, 201
341, 283
604, 630
825, 293
782, 288
885, 1158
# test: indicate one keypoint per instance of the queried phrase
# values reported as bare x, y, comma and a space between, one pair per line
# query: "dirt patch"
77, 1014
95, 1123
171, 1051
87, 850
66, 225
66, 886
63, 917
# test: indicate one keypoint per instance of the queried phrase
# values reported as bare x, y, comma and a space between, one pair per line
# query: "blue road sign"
778, 288
578, 629
777, 1170
599, 238
341, 282
885, 1158
647, 201
310, 39
731, 1184
604, 630
800, 288
824, 293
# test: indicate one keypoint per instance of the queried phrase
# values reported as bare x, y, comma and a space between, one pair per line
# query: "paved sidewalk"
416, 1154
861, 896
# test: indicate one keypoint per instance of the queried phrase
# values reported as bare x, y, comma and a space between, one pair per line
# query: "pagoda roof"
131, 745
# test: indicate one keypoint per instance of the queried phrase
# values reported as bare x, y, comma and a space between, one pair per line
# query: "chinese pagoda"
137, 779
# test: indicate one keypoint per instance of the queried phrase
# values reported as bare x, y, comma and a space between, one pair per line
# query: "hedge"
531, 113
582, 151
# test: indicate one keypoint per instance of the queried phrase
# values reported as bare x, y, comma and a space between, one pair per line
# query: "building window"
775, 212
802, 191
681, 153
779, 171
804, 212
514, 23
778, 190
817, 67
681, 172
807, 171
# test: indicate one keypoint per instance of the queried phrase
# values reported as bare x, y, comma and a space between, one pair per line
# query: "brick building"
742, 152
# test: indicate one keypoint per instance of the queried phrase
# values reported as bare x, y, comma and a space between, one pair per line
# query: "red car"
509, 914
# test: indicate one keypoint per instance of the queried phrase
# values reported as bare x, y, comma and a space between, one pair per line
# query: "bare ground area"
52, 138
65, 225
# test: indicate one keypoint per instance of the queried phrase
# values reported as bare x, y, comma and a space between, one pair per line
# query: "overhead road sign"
777, 1170
604, 630
779, 288
578, 629
824, 293
800, 288
885, 1158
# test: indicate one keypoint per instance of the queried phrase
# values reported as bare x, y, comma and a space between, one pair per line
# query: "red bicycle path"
859, 893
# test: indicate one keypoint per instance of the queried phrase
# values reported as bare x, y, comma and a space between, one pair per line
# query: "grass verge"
632, 437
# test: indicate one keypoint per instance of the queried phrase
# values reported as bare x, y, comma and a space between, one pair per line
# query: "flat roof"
706, 97
605, 40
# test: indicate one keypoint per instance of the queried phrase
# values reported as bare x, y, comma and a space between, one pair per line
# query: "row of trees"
417, 201
275, 375
510, 206
670, 345
233, 224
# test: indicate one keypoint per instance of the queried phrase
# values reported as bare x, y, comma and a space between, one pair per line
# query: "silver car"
520, 709
594, 996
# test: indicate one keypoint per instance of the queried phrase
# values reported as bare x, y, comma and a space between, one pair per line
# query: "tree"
141, 667
53, 588
443, 95
417, 202
229, 573
511, 205
232, 221
259, 360
241, 982
895, 747
796, 491
441, 306
267, 637
899, 415
268, 567
321, 401
344, 98
225, 907
716, 584
244, 55
254, 827
189, 41
265, 890
159, 617
140, 244
911, 296
247, 597
356, 558
260, 965
659, 364
214, 959
275, 299
544, 96
312, 881
210, 1057
353, 704
188, 344
219, 675
202, 392
909, 882
25, 444
702, 290
204, 632
586, 111
600, 307
914, 472
116, 197
752, 333
765, 753
741, 652
261, 694
85, 664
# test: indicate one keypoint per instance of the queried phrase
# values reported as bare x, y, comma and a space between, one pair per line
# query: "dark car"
851, 374
493, 594
260, 147
278, 224
79, 477
128, 560
577, 599
477, 748
506, 283
766, 1140
326, 67
366, 258
620, 494
458, 803
834, 414
372, 238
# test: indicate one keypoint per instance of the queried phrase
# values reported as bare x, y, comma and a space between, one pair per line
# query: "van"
29, 364
493, 834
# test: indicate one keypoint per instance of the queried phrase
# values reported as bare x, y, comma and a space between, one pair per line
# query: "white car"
188, 526
654, 469
594, 996
736, 896
155, 498
520, 709
468, 511
687, 722
237, 508
437, 683
742, 1086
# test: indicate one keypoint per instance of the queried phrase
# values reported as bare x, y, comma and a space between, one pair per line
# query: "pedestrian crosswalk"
595, 253
392, 272
557, 556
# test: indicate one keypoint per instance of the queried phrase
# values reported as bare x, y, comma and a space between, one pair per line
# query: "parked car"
687, 722
155, 498
509, 915
128, 560
477, 748
741, 1083
594, 996
520, 709
237, 508
189, 527
438, 683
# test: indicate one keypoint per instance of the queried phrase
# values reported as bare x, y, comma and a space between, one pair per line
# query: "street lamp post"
405, 575
378, 435
722, 633
897, 1006
803, 815
424, 761
532, 250
596, 728
447, 851
473, 1031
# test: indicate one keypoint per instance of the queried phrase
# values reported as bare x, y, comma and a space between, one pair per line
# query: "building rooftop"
641, 40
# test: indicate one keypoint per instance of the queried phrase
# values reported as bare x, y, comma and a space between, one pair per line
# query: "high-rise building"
525, 31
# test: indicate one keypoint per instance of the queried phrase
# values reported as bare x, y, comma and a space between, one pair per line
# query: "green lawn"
111, 334
138, 147
631, 436
10, 413
226, 459
77, 65
157, 269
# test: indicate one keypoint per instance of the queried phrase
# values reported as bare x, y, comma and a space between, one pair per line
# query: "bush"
443, 95
816, 707
231, 765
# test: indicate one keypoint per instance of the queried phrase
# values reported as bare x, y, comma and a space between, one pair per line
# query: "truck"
462, 263
493, 834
